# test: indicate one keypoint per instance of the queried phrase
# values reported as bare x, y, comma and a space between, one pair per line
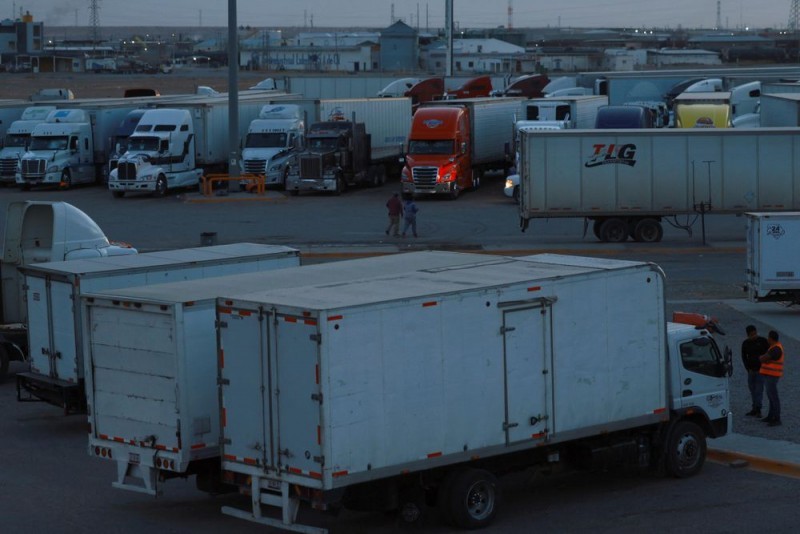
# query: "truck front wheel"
472, 499
66, 180
685, 449
161, 186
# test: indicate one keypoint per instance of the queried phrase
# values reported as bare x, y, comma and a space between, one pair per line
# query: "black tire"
339, 186
161, 187
473, 498
66, 180
648, 231
614, 230
454, 193
4, 359
685, 450
118, 194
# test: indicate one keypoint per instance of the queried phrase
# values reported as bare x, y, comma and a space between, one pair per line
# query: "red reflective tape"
224, 417
119, 440
190, 303
335, 317
161, 447
316, 373
294, 470
434, 455
102, 436
175, 449
132, 441
429, 304
314, 474
535, 288
310, 322
224, 310
538, 435
250, 461
338, 474
660, 410
245, 313
290, 319
198, 446
319, 435
230, 457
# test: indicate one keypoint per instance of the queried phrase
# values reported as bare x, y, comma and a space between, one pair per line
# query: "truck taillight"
102, 452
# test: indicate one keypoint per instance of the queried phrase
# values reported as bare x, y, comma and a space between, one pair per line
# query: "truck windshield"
49, 143
143, 144
16, 140
444, 146
323, 143
265, 140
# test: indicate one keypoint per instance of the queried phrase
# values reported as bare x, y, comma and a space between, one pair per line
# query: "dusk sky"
377, 13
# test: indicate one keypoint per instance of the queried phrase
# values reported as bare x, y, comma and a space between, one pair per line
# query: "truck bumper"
440, 188
311, 185
49, 178
132, 186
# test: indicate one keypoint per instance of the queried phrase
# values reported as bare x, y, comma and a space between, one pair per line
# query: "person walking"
752, 349
410, 216
395, 212
772, 370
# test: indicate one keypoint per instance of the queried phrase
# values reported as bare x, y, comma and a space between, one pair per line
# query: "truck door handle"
687, 393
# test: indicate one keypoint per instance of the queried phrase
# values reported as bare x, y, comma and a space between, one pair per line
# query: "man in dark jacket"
395, 207
752, 349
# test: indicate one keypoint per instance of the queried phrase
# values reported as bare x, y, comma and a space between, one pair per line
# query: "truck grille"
8, 166
126, 171
255, 166
311, 167
33, 168
425, 177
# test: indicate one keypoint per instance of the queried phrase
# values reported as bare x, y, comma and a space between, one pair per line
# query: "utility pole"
448, 32
233, 94
94, 21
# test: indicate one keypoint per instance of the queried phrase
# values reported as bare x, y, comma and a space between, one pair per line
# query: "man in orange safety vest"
772, 370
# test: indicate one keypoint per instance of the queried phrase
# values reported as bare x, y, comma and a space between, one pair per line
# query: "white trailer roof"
133, 262
503, 271
291, 279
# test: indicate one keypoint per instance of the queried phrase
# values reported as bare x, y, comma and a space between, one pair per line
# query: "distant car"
512, 187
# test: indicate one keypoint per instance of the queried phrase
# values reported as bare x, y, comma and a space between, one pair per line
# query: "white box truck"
53, 293
151, 360
375, 393
626, 181
773, 257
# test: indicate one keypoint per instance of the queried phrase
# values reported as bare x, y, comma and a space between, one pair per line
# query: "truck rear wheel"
614, 230
648, 231
685, 449
472, 499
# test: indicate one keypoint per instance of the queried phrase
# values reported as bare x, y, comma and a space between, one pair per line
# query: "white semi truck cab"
160, 155
17, 138
61, 151
272, 140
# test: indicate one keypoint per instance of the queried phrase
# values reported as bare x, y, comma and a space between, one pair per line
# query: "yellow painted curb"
757, 463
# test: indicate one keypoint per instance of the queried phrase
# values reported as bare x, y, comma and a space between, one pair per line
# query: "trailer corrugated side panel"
662, 172
428, 368
387, 121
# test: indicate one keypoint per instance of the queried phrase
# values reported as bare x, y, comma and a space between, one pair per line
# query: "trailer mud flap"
147, 475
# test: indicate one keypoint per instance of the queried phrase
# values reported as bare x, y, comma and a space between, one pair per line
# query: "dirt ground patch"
89, 85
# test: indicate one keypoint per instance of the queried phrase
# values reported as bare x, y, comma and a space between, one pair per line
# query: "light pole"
233, 95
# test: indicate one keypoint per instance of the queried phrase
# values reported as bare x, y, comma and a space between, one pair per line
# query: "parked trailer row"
626, 181
325, 398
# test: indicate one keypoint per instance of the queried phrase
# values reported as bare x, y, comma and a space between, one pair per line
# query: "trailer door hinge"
316, 337
317, 397
225, 441
221, 324
320, 460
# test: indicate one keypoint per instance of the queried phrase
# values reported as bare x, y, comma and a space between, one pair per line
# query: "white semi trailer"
773, 257
625, 182
53, 293
376, 393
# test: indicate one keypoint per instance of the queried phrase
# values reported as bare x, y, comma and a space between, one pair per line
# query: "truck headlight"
275, 168
52, 168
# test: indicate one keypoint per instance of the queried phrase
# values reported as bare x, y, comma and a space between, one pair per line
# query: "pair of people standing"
763, 360
407, 210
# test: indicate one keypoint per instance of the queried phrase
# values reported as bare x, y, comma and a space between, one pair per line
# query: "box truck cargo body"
626, 181
369, 391
53, 297
151, 359
773, 257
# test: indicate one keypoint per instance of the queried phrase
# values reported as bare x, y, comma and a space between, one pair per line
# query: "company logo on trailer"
433, 123
612, 155
775, 230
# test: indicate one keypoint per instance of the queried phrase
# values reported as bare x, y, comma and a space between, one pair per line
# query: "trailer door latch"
507, 426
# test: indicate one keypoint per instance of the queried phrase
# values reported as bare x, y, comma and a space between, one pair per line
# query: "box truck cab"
438, 158
17, 139
272, 140
160, 155
61, 151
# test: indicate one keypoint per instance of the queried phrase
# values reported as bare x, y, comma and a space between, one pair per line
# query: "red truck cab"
425, 91
438, 160
474, 88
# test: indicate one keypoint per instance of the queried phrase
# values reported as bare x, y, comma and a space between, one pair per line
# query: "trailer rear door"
528, 342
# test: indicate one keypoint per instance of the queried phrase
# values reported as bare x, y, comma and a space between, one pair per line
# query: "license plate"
133, 458
274, 484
